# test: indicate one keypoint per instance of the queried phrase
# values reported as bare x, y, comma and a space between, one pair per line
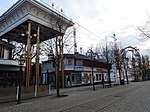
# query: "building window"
85, 78
73, 78
69, 61
100, 77
79, 62
6, 53
1, 51
96, 77
76, 79
106, 76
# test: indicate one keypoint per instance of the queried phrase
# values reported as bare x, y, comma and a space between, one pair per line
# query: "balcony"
9, 65
8, 62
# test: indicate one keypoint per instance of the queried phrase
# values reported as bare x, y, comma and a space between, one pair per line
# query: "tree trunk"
109, 78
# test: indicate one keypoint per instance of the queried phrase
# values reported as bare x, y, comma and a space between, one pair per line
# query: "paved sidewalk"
84, 99
64, 92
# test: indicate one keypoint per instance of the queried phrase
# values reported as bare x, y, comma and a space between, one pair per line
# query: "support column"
28, 61
62, 63
25, 61
37, 61
56, 61
26, 76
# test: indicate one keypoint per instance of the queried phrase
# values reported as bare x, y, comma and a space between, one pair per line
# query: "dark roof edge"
4, 43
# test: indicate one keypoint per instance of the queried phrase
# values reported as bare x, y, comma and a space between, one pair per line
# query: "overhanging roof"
3, 43
14, 21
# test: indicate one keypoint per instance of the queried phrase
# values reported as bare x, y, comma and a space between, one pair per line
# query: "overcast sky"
103, 18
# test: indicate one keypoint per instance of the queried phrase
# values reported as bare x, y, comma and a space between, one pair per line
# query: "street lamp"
92, 62
21, 63
92, 70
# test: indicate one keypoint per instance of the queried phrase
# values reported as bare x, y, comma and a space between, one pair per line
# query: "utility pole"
107, 59
75, 44
118, 64
118, 59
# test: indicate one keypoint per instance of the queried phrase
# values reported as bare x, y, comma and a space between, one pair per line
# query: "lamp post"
21, 63
92, 75
28, 55
92, 70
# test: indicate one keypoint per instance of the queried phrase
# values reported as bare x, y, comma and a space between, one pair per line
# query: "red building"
78, 70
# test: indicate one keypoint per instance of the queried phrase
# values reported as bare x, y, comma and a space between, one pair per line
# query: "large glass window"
85, 78
106, 76
96, 77
100, 77
76, 79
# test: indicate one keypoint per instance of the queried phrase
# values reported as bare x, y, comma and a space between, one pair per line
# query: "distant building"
77, 70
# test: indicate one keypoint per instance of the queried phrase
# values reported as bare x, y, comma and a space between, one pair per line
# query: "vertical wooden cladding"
28, 61
96, 64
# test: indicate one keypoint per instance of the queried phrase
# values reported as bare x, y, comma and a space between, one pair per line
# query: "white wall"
6, 53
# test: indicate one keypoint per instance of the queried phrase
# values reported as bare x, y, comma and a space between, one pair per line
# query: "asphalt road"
134, 97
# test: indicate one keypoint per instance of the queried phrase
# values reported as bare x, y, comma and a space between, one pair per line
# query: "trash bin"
122, 82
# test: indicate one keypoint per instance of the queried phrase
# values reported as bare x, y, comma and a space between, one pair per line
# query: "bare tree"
144, 65
49, 45
20, 48
145, 29
105, 52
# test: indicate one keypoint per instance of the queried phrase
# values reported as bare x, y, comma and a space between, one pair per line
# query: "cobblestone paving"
136, 101
133, 97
